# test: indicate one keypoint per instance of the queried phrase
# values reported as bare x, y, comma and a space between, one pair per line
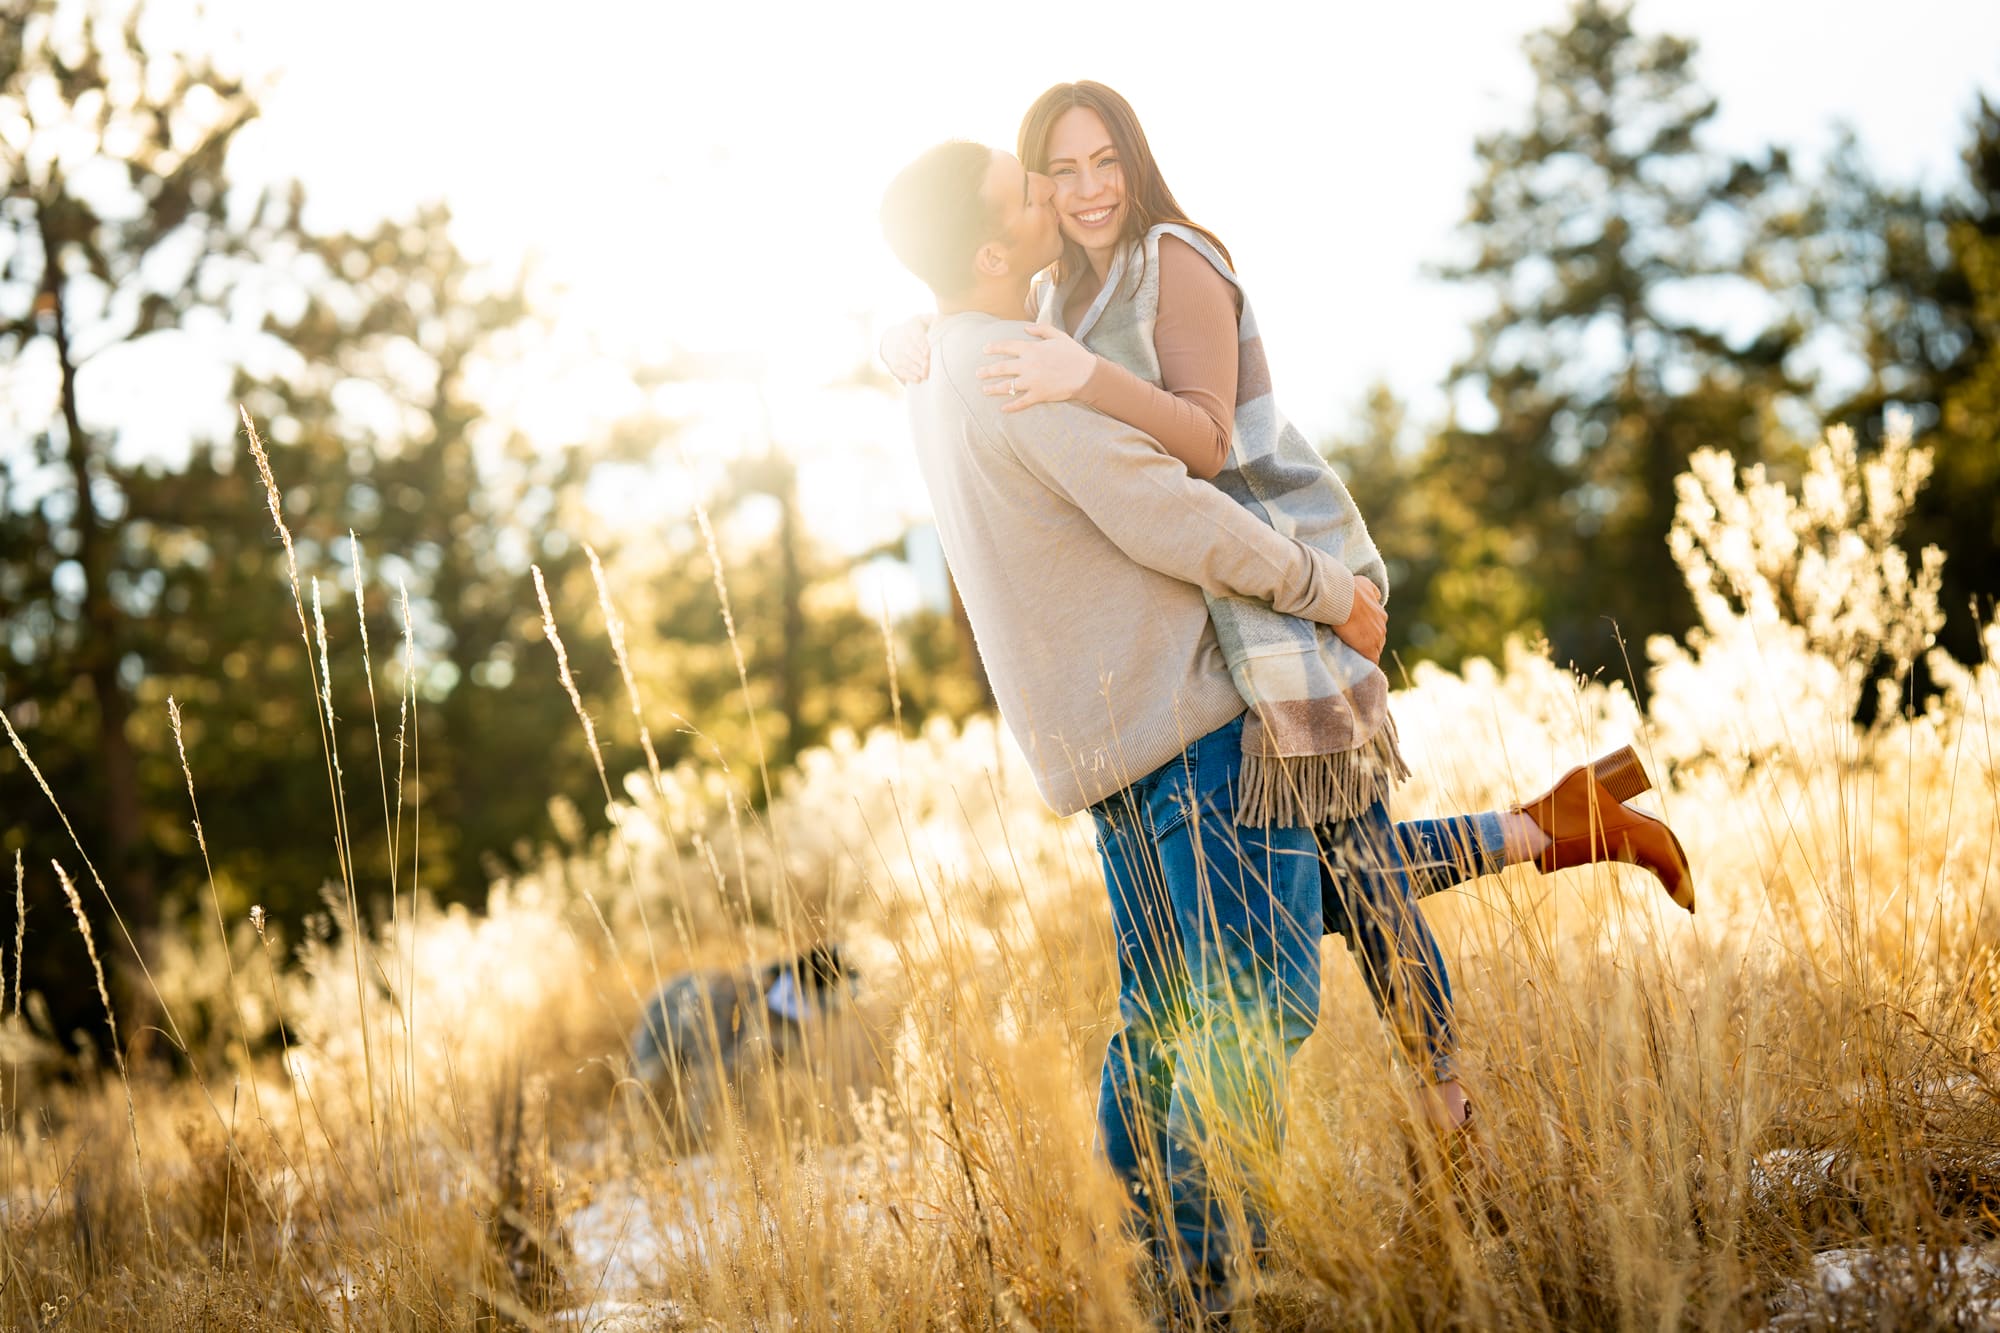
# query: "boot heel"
1621, 774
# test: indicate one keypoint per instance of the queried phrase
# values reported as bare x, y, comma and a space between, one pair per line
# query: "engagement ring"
1013, 387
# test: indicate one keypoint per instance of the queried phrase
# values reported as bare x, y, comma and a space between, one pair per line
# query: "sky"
697, 184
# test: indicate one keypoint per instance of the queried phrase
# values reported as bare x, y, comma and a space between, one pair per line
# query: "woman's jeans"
1217, 928
1373, 872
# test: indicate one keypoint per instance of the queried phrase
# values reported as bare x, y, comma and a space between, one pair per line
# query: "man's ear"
990, 261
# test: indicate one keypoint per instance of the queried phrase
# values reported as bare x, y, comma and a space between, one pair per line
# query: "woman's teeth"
1094, 216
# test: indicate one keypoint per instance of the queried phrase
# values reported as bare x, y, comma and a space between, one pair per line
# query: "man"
1082, 550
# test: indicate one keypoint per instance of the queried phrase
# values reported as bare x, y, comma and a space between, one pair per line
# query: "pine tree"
119, 224
125, 579
1918, 279
1614, 248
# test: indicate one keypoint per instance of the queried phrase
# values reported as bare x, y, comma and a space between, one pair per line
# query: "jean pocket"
1112, 825
1171, 802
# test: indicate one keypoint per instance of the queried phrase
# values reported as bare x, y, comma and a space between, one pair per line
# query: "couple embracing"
1180, 611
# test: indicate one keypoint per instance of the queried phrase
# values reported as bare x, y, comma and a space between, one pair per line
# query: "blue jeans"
1372, 873
1217, 928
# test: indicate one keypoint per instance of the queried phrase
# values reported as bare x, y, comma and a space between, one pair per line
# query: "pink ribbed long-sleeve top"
1192, 410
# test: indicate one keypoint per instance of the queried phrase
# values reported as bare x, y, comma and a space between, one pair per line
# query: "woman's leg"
1441, 853
1582, 820
1370, 901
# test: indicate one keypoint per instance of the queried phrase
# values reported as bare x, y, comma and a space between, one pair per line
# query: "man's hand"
906, 349
1367, 626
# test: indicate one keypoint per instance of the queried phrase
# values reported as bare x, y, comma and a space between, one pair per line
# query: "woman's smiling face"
1090, 186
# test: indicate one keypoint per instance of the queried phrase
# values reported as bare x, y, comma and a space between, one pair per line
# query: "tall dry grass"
1781, 1113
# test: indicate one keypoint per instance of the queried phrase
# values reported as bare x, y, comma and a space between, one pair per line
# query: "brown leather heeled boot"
1587, 821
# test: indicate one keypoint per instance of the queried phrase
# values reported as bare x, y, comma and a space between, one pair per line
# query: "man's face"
1030, 231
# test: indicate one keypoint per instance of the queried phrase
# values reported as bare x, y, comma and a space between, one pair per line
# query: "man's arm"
1144, 500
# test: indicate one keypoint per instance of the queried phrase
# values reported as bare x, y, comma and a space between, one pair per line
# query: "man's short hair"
936, 216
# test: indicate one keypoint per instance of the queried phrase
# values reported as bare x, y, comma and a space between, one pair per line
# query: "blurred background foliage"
1604, 233
1648, 297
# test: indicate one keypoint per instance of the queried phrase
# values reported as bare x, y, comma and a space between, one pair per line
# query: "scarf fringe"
1302, 791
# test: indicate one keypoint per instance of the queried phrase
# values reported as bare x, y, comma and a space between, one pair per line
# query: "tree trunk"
129, 874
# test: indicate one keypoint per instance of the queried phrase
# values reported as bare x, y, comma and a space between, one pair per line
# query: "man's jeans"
1217, 929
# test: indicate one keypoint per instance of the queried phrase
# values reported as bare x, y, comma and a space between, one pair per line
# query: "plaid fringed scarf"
1319, 744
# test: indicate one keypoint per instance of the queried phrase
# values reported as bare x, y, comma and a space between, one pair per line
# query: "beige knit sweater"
1082, 551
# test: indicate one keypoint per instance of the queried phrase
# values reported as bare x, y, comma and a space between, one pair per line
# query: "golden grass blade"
614, 629
20, 928
215, 901
117, 1050
344, 847
554, 636
117, 917
735, 644
374, 711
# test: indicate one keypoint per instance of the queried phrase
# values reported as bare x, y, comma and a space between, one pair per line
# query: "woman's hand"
1366, 630
1048, 366
906, 349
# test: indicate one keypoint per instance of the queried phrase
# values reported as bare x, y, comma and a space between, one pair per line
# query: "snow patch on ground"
616, 1316
1792, 1168
1962, 1285
624, 1239
629, 1237
1861, 1269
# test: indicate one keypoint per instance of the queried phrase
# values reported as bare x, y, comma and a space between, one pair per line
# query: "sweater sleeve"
1151, 509
1192, 415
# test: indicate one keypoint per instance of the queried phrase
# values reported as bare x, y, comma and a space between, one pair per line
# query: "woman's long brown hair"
1148, 201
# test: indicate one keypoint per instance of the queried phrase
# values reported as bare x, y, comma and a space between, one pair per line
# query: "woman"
1143, 319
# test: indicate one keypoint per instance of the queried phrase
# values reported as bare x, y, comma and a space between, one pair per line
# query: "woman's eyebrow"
1095, 152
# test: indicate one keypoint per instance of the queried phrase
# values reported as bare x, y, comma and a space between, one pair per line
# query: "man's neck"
1002, 301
